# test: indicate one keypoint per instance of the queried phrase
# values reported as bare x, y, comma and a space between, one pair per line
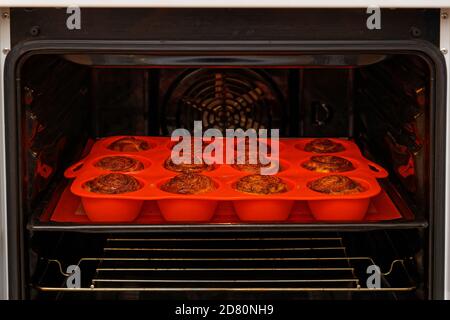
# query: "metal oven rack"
219, 264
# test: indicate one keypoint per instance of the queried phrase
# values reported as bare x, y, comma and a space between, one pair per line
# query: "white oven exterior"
5, 46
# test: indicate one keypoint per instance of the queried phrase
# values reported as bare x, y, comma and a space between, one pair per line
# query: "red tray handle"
376, 170
72, 171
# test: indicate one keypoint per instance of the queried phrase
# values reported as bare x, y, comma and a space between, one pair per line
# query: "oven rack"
220, 264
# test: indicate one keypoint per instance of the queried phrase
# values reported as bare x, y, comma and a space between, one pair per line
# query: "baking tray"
250, 207
70, 210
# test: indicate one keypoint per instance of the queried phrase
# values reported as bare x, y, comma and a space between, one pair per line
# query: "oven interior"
383, 101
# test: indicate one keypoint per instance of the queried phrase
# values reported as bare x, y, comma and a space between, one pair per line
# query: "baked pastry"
189, 183
246, 166
336, 184
261, 184
257, 143
113, 183
327, 164
250, 168
129, 144
119, 163
324, 146
188, 167
192, 149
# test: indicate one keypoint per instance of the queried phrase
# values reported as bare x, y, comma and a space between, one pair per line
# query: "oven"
311, 73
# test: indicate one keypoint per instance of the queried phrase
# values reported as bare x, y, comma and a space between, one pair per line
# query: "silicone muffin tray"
68, 209
201, 207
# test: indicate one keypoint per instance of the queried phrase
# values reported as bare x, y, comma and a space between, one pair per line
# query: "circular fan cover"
223, 99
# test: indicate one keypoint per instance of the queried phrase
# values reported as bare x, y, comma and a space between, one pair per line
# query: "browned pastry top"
119, 163
239, 142
246, 166
250, 168
328, 164
113, 183
324, 146
192, 150
187, 167
189, 183
261, 184
336, 184
129, 144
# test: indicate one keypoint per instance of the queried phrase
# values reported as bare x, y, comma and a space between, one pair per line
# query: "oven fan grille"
223, 99
188, 264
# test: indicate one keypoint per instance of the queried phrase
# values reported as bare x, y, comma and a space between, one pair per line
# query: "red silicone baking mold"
68, 209
249, 207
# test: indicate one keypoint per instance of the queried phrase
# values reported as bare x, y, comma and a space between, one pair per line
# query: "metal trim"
230, 4
445, 45
5, 45
422, 48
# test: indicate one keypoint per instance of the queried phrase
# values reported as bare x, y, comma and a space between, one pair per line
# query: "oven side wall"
4, 44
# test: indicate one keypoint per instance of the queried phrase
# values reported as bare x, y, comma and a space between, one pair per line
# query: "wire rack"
247, 264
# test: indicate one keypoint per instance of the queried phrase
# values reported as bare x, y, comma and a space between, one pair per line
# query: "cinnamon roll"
188, 167
239, 142
328, 164
251, 168
260, 184
113, 183
129, 144
246, 166
189, 183
192, 149
324, 146
119, 163
336, 184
